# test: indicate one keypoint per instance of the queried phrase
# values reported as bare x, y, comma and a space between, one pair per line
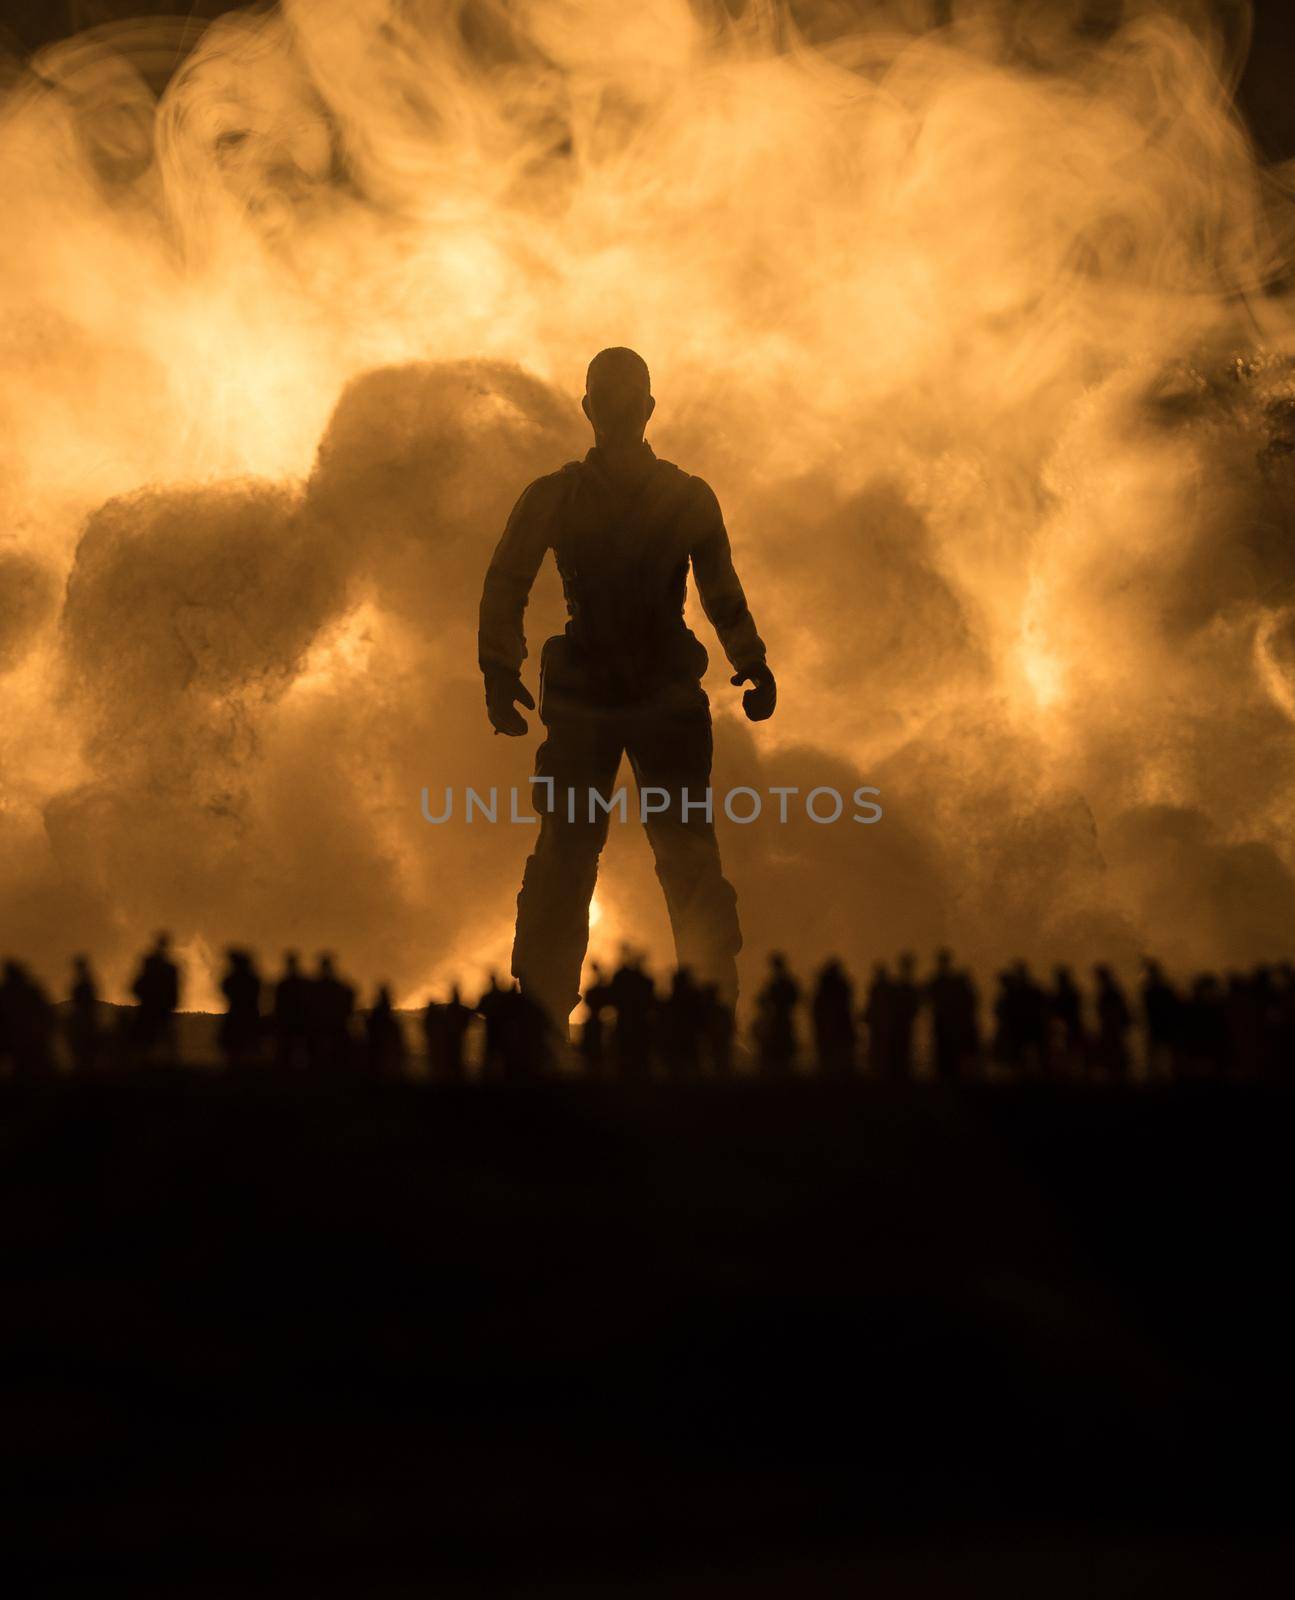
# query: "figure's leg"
670, 749
581, 752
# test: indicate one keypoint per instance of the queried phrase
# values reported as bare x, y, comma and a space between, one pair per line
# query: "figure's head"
618, 396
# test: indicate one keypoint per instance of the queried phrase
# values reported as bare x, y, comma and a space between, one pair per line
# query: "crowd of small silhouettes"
1242, 1027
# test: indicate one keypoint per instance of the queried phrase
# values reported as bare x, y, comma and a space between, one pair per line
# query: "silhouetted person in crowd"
1021, 1016
633, 998
530, 1038
1035, 1019
682, 1021
330, 1005
634, 1004
1243, 1009
240, 1027
905, 1003
833, 1013
593, 1036
157, 995
879, 1019
445, 1031
433, 1027
1114, 1018
1205, 1047
517, 1029
942, 993
625, 528
26, 1023
1008, 1046
458, 1020
85, 1038
1162, 1017
955, 1032
291, 1017
492, 1008
717, 1031
384, 1039
776, 1019
1066, 1004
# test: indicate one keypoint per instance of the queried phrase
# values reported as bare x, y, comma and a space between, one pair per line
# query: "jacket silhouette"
625, 529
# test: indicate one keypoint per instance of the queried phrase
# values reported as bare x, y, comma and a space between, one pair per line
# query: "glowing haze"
977, 332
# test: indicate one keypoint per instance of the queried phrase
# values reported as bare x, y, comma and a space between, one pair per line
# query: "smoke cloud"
973, 316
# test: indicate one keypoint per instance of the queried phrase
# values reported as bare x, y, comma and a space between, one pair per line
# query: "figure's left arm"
724, 602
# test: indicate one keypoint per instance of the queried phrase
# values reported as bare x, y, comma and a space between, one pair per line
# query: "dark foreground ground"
765, 1339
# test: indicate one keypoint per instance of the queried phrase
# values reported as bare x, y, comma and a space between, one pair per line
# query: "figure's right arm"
501, 637
501, 640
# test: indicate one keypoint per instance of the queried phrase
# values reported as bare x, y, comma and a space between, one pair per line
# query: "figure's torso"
622, 549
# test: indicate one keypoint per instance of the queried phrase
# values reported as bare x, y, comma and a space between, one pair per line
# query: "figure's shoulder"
559, 486
543, 497
553, 485
694, 493
696, 489
671, 470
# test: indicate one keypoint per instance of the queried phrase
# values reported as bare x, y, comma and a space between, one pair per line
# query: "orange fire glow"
967, 326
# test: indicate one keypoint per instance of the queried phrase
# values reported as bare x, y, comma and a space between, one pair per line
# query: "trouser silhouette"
668, 741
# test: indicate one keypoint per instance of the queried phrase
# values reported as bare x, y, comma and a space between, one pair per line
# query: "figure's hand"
503, 690
758, 701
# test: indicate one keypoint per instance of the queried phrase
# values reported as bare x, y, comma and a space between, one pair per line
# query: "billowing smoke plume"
976, 329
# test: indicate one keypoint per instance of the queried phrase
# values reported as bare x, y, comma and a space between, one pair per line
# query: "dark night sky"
1265, 94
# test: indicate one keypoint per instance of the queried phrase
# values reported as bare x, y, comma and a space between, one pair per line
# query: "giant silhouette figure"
624, 678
